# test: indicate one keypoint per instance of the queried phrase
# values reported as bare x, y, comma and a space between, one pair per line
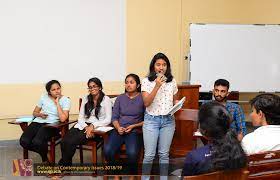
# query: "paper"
47, 120
197, 133
25, 119
104, 129
177, 106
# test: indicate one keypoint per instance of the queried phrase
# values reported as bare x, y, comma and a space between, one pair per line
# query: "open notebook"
104, 129
25, 119
28, 119
176, 107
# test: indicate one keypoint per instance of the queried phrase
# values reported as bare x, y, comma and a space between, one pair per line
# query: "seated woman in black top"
223, 152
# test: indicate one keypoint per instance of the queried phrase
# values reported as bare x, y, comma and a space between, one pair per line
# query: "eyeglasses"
92, 87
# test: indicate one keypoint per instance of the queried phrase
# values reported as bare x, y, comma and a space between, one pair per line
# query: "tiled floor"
10, 150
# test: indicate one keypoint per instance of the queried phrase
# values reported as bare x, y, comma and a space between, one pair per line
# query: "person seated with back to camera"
52, 106
128, 114
266, 114
95, 111
223, 152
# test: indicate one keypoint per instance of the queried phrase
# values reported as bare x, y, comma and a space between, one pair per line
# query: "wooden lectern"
191, 92
186, 121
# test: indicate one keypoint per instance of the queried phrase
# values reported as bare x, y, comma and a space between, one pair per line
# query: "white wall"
60, 39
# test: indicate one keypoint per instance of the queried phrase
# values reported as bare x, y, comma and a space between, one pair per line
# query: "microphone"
161, 75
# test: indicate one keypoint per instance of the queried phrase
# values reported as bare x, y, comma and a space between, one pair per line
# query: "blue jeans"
133, 143
157, 130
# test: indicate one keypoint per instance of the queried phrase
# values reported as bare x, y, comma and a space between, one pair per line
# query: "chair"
239, 174
186, 125
91, 145
233, 96
264, 165
63, 128
122, 154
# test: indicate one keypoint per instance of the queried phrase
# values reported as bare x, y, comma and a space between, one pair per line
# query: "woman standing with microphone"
158, 91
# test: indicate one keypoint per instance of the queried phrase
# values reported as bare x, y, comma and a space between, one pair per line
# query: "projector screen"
67, 40
246, 55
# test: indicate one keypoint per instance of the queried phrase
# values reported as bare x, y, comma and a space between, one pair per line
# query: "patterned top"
238, 117
48, 107
163, 100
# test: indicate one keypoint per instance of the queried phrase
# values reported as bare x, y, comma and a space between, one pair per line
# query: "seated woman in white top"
52, 107
96, 111
266, 114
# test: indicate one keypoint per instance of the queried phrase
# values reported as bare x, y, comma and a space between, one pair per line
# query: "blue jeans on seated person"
132, 143
157, 130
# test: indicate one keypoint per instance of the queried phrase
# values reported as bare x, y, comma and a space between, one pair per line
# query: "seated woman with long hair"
52, 107
223, 152
128, 114
95, 111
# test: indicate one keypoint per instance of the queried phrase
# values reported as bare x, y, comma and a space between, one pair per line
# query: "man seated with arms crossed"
266, 114
220, 93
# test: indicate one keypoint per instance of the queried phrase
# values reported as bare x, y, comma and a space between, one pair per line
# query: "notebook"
104, 129
25, 119
177, 106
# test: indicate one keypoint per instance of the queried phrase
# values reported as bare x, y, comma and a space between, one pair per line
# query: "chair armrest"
14, 122
139, 130
104, 135
59, 125
23, 125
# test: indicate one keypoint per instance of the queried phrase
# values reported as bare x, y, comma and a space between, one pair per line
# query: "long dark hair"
226, 151
152, 74
89, 106
269, 104
136, 79
49, 85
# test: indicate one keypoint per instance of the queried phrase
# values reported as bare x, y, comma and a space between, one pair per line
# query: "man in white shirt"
266, 114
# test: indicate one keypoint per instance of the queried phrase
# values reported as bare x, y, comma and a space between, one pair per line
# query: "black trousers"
69, 143
35, 138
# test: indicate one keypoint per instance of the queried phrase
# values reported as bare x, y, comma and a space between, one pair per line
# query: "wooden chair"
234, 96
62, 127
91, 145
264, 165
186, 125
122, 155
239, 174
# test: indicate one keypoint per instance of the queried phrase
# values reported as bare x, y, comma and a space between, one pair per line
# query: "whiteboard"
248, 56
67, 40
